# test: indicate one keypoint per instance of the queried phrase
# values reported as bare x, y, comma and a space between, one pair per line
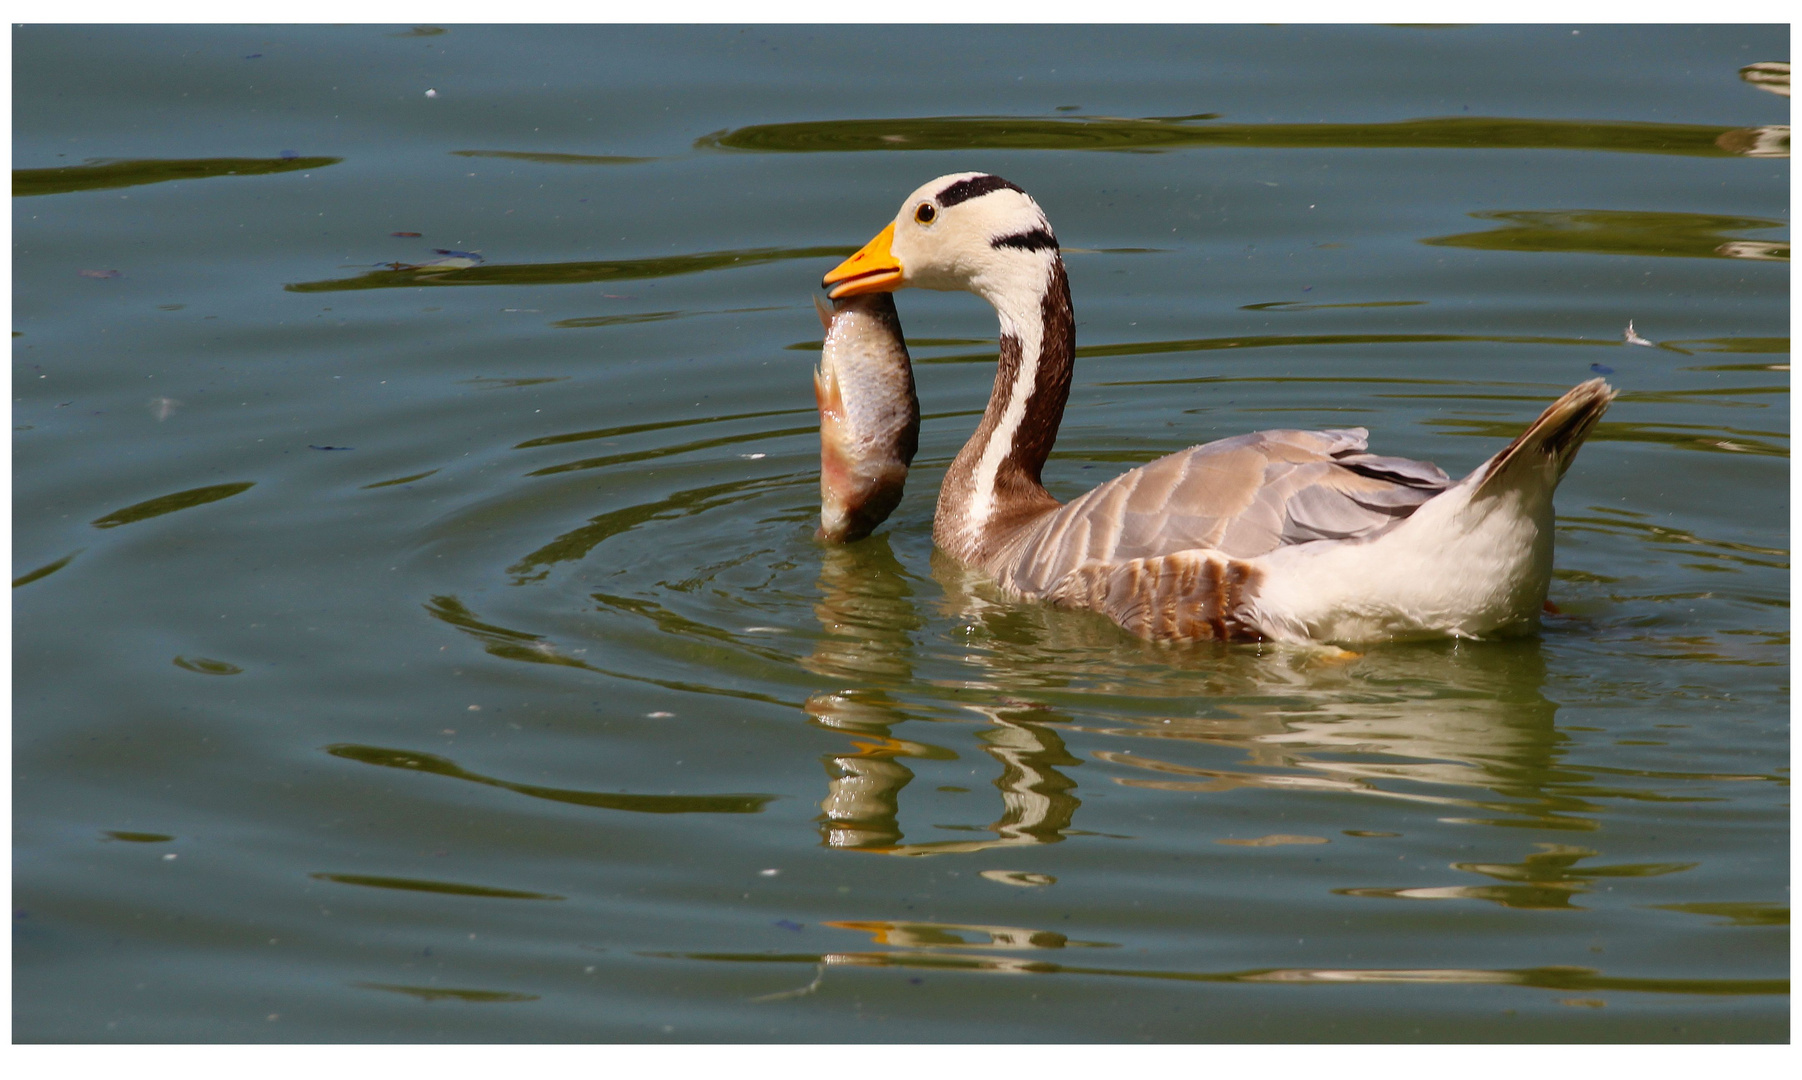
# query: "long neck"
992, 489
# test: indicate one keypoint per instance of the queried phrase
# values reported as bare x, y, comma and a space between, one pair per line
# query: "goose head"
979, 233
967, 231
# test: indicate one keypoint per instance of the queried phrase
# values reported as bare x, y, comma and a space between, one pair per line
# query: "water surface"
419, 634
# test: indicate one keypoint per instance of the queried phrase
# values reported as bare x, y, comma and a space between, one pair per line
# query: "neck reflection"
867, 612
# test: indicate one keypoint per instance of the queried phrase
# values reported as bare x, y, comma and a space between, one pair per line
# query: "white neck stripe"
1026, 326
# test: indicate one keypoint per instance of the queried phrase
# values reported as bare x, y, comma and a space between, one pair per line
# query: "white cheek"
926, 262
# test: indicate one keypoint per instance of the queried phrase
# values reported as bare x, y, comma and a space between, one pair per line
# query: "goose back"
1240, 497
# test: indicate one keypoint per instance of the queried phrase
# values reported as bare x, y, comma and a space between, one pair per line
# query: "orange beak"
874, 269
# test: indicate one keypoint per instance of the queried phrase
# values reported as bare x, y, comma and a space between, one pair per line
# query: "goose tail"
1546, 449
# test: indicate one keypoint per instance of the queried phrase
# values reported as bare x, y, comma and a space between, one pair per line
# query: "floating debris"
310, 446
99, 273
1632, 337
431, 93
1275, 839
1019, 878
163, 407
819, 973
1601, 369
788, 924
407, 235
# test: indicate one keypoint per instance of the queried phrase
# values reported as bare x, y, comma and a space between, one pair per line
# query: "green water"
418, 633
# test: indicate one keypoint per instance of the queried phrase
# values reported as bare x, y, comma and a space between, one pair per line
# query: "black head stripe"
1031, 240
965, 190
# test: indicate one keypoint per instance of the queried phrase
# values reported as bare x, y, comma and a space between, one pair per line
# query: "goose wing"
1243, 497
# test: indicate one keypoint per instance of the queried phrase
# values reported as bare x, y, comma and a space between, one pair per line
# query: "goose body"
1280, 535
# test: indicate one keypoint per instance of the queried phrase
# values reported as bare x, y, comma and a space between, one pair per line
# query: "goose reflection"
867, 612
1548, 879
1463, 727
1466, 731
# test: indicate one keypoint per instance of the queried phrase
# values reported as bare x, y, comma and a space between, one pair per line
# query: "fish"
869, 415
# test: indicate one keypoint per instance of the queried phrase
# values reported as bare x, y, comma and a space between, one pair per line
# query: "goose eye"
926, 213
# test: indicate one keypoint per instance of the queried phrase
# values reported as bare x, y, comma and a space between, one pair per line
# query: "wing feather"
1242, 497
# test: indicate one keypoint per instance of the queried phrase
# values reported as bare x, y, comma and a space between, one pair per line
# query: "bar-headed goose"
1284, 535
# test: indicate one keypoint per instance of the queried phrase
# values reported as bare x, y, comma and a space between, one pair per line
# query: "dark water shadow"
554, 159
523, 647
577, 543
169, 504
95, 175
450, 888
202, 665
408, 479
1735, 913
628, 319
483, 382
1297, 305
1620, 232
1151, 134
46, 570
446, 993
644, 804
565, 273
